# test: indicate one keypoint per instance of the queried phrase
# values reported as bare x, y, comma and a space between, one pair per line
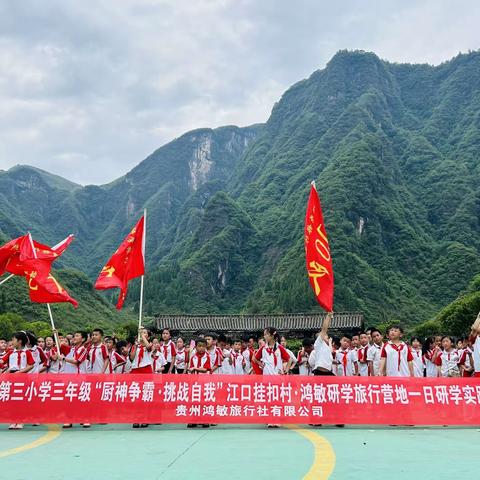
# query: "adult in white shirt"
323, 350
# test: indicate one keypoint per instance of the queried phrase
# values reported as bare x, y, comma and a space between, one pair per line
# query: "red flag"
9, 251
126, 263
45, 288
31, 253
317, 252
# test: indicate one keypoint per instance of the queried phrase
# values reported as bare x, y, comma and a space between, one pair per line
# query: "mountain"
394, 149
99, 216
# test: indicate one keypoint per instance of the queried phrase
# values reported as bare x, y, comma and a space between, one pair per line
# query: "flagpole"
140, 308
54, 331
7, 278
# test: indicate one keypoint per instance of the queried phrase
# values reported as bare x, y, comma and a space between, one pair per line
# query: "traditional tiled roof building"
294, 324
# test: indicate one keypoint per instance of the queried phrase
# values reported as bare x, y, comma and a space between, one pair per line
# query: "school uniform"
54, 366
97, 354
16, 360
448, 362
116, 363
431, 370
169, 351
226, 367
373, 355
159, 362
397, 358
78, 353
39, 357
362, 361
181, 360
216, 359
346, 360
200, 361
418, 363
464, 359
303, 364
142, 360
248, 354
237, 363
272, 358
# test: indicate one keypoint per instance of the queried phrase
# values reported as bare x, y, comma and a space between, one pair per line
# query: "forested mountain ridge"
394, 149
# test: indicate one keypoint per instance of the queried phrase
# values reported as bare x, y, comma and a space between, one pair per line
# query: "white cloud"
88, 89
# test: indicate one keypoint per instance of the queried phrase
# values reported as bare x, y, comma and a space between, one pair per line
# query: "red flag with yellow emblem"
9, 251
35, 261
126, 263
46, 288
317, 252
32, 250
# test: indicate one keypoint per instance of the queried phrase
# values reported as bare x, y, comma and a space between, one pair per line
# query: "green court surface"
236, 452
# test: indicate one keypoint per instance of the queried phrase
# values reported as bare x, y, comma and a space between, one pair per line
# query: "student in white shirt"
431, 353
169, 350
303, 356
347, 358
116, 361
373, 353
396, 355
98, 359
362, 354
18, 360
449, 359
418, 361
272, 356
181, 357
238, 360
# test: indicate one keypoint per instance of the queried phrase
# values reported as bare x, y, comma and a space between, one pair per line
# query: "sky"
89, 89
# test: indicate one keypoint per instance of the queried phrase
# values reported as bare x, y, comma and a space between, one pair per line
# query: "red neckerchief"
271, 351
364, 354
94, 350
19, 358
199, 358
141, 353
398, 349
344, 360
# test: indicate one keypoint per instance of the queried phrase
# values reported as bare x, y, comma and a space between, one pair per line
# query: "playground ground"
173, 452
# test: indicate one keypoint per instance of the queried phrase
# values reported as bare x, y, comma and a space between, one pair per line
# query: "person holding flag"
317, 252
320, 274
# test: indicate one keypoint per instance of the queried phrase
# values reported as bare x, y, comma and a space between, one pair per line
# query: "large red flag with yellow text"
126, 263
317, 252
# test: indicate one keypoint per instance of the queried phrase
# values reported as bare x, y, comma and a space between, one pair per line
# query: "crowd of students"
364, 354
